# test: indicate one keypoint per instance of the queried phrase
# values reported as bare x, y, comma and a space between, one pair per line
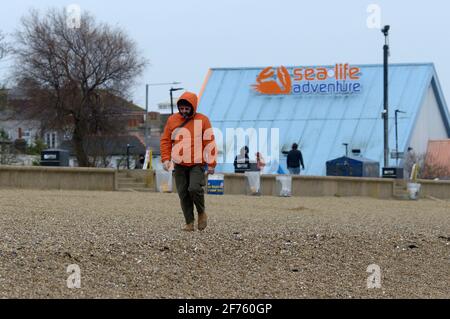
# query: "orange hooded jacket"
194, 143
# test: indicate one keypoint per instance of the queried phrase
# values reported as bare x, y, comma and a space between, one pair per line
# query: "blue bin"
215, 184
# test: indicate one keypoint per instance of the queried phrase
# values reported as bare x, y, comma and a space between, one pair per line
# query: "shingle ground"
129, 245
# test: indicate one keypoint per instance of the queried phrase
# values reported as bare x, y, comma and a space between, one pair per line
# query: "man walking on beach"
188, 142
295, 160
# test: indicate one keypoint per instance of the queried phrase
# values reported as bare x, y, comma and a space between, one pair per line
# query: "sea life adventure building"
321, 108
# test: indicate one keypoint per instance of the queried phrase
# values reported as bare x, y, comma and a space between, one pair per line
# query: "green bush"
37, 147
20, 145
3, 135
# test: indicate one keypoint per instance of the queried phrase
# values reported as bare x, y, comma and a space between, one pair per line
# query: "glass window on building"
67, 136
51, 139
27, 136
67, 133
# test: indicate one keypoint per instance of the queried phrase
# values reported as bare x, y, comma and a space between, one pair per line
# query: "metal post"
171, 99
396, 134
128, 156
385, 31
146, 108
146, 117
396, 140
171, 96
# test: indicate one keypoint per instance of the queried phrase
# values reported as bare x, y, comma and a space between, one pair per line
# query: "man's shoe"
189, 227
202, 221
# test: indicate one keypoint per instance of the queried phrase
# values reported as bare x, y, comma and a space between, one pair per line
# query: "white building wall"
29, 127
429, 125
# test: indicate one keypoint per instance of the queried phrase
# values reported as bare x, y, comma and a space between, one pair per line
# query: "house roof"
353, 158
321, 123
15, 99
110, 145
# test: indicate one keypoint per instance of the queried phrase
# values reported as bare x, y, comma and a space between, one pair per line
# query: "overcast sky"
183, 39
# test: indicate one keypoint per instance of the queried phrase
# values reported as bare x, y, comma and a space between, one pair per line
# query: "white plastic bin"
284, 186
163, 181
413, 190
253, 183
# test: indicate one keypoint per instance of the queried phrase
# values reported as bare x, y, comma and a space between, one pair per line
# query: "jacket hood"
191, 98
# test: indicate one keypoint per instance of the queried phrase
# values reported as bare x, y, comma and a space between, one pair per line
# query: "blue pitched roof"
321, 123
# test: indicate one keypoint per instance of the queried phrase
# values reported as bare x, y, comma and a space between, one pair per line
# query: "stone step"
401, 193
137, 189
400, 185
401, 197
132, 185
143, 189
125, 190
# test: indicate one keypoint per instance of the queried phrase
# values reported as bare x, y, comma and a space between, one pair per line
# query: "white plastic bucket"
284, 186
163, 181
253, 183
413, 190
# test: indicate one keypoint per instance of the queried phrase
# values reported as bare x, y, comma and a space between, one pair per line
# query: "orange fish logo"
267, 85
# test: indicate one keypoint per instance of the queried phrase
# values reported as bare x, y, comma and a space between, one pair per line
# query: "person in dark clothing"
242, 161
295, 160
140, 162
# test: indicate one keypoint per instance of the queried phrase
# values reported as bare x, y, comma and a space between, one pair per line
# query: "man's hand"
166, 166
210, 170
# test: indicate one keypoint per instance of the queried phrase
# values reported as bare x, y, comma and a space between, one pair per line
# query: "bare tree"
434, 170
429, 167
4, 49
73, 76
3, 46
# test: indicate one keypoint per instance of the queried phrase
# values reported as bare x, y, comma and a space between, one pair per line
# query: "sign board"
215, 184
340, 79
148, 159
397, 155
392, 172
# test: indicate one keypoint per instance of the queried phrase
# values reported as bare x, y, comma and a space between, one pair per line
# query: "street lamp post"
385, 31
171, 96
146, 107
146, 117
396, 136
128, 155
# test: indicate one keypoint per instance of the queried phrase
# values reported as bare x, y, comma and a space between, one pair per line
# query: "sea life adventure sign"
339, 79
